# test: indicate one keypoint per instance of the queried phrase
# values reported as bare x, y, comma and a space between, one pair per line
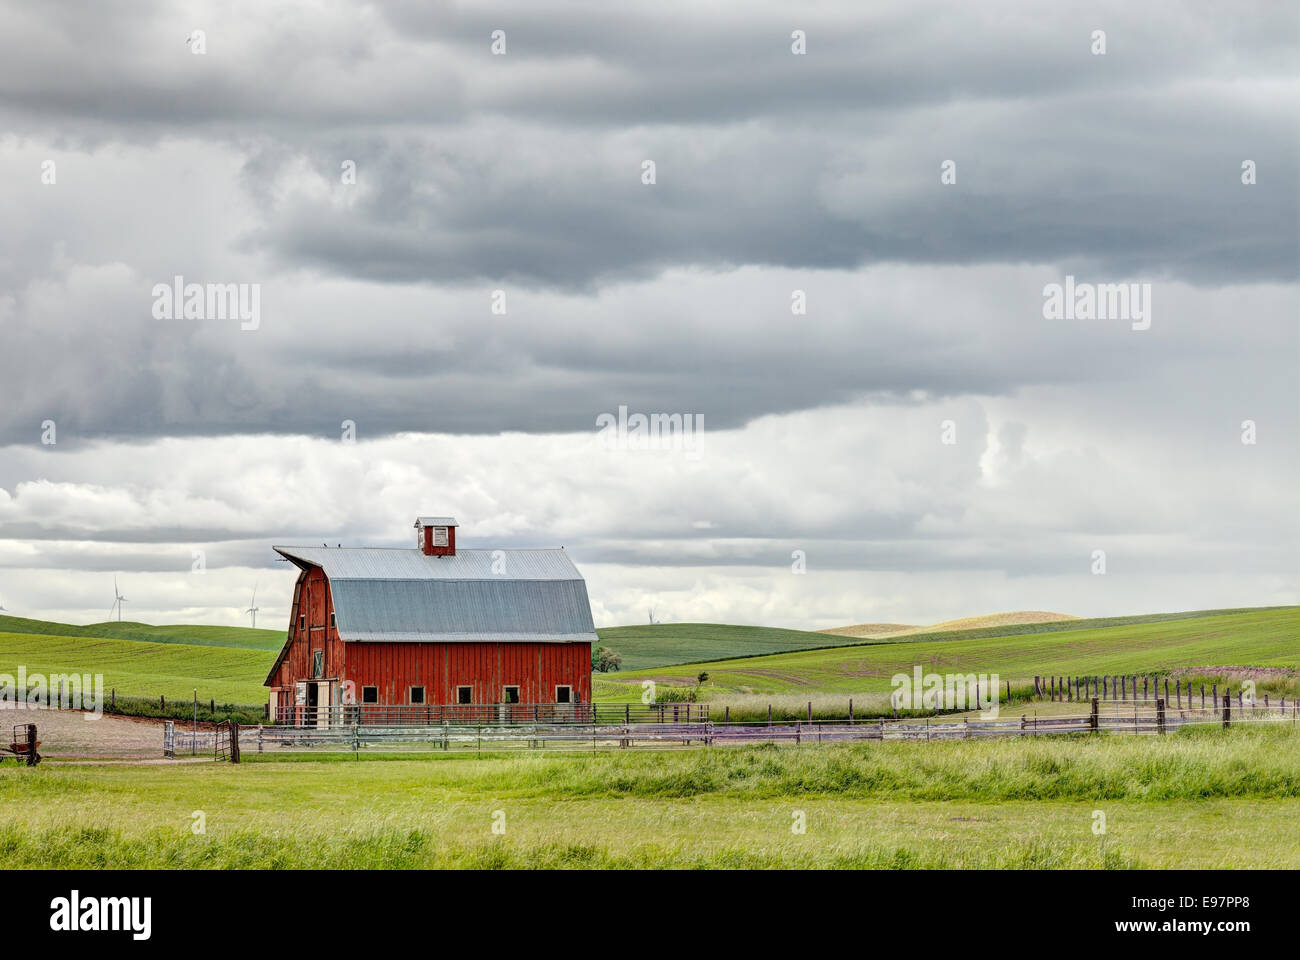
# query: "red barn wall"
536, 668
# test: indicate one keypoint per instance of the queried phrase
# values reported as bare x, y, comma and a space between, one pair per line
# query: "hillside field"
199, 635
665, 644
1258, 638
137, 668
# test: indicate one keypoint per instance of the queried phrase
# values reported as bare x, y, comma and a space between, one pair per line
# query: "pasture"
136, 668
1202, 798
201, 635
1263, 638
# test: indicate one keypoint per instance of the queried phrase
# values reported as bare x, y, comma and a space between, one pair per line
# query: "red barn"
432, 632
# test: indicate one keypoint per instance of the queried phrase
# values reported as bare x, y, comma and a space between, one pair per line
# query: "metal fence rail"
481, 714
1119, 717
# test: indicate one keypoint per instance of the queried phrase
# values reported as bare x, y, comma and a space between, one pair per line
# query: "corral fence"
490, 714
1101, 716
1124, 687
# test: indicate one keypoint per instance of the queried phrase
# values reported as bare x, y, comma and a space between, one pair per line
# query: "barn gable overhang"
476, 596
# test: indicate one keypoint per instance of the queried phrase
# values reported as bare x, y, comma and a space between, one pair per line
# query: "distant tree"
603, 659
703, 677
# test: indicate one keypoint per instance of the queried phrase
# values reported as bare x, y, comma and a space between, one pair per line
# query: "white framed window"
464, 695
564, 694
416, 695
369, 694
510, 695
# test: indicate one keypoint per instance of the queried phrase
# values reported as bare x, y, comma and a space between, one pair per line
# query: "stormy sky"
456, 251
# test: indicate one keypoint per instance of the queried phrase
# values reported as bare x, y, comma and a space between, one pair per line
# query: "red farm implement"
23, 746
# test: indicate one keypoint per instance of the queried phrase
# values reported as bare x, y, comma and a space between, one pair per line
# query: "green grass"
673, 643
192, 635
137, 668
668, 644
1258, 638
1192, 799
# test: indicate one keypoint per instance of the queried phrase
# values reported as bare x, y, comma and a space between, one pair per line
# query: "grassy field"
668, 644
145, 669
672, 643
1258, 638
194, 635
1209, 798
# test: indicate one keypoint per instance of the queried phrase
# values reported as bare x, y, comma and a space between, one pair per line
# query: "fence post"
769, 714
726, 716
1227, 711
1144, 688
1189, 684
1093, 718
851, 709
1123, 688
1160, 716
810, 711
1037, 689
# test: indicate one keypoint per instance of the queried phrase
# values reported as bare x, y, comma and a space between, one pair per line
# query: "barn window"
563, 694
417, 694
318, 663
333, 622
302, 621
464, 694
511, 695
369, 694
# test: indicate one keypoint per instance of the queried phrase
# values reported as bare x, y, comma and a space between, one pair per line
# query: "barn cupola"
436, 536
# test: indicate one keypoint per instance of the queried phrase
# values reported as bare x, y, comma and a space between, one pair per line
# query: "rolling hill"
873, 631
1260, 637
141, 668
193, 635
669, 643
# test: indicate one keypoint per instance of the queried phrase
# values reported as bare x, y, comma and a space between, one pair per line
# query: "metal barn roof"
436, 522
387, 595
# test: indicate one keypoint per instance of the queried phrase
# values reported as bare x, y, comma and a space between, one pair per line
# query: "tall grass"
98, 847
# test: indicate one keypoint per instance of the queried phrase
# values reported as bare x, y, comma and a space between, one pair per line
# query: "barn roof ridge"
386, 564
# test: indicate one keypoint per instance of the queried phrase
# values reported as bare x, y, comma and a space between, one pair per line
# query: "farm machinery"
23, 745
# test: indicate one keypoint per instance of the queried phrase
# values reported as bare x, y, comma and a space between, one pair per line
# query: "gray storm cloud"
775, 173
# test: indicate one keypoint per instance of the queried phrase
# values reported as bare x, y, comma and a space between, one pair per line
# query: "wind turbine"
252, 607
118, 600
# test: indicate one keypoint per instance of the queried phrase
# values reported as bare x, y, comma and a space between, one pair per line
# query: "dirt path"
74, 734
